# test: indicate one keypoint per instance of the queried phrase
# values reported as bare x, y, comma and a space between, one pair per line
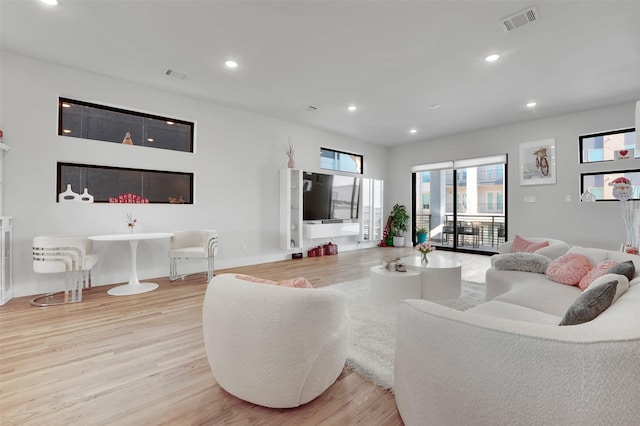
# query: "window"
108, 183
603, 146
461, 202
97, 122
602, 185
340, 161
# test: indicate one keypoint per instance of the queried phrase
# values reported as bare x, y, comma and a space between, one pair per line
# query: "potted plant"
421, 234
399, 221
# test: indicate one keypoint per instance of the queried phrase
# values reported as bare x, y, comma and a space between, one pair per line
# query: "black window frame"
61, 186
135, 114
581, 139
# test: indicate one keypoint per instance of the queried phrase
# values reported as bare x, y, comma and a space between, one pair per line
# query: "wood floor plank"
140, 359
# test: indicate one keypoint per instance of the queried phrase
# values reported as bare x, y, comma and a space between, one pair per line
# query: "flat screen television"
330, 197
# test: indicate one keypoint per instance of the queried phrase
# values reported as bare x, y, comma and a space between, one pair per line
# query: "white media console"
328, 230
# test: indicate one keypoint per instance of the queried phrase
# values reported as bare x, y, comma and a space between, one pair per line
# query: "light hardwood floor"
140, 360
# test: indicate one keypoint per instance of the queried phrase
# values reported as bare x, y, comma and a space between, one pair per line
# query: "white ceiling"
391, 58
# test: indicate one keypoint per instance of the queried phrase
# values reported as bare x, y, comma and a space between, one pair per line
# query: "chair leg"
173, 270
71, 294
210, 264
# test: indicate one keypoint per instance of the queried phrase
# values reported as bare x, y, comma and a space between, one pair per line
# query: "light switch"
530, 199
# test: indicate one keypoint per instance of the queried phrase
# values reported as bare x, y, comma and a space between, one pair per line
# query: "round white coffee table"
441, 277
390, 287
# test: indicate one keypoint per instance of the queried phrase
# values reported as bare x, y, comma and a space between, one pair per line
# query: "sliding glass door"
462, 203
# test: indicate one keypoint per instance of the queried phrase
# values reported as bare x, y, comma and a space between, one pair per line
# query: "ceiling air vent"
175, 74
519, 19
309, 108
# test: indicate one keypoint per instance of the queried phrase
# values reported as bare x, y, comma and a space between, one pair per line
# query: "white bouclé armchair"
274, 346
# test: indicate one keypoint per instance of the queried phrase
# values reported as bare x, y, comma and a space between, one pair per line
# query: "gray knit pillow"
590, 304
524, 262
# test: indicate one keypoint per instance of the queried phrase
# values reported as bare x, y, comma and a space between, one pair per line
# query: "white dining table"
134, 286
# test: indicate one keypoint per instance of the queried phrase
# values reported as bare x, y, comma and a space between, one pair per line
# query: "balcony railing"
483, 232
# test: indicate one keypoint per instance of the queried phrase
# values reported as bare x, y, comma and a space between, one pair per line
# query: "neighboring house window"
603, 146
339, 161
602, 184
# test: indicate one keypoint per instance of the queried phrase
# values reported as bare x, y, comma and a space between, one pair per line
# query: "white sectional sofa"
508, 362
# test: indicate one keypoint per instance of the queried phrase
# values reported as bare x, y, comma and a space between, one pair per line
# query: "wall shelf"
291, 209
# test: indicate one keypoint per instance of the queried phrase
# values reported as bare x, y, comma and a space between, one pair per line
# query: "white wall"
236, 166
589, 224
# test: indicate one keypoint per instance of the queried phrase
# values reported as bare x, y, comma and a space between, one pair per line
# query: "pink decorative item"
289, 151
600, 269
569, 269
520, 245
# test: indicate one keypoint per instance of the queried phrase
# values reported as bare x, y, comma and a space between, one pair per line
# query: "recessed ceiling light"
492, 58
50, 2
434, 106
413, 131
231, 64
531, 104
352, 108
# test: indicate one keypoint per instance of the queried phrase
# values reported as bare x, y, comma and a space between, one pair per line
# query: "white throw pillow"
623, 284
595, 255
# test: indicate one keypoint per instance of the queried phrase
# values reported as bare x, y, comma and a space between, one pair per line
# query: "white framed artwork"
538, 162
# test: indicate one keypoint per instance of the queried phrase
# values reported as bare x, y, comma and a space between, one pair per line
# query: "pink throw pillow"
569, 268
254, 279
599, 270
300, 282
520, 245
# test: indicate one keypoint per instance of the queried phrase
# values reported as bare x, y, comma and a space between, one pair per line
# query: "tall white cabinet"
291, 209
6, 291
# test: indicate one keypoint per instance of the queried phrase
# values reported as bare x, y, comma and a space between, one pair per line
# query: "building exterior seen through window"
604, 146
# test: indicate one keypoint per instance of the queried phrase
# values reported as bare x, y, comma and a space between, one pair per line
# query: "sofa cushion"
599, 270
590, 304
569, 268
504, 310
623, 284
525, 262
595, 255
520, 245
537, 292
626, 268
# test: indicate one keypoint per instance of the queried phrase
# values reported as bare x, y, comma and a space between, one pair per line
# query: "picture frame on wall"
538, 162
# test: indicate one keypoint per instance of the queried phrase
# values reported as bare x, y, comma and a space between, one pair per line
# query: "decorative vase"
422, 237
291, 164
425, 260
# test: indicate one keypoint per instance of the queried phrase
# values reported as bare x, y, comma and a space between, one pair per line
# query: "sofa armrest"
454, 367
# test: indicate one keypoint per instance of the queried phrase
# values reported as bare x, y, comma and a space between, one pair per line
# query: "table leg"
134, 286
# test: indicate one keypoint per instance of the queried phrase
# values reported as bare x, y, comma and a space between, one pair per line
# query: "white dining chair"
192, 245
58, 254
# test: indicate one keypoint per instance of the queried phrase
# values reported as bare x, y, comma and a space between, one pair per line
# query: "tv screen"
330, 197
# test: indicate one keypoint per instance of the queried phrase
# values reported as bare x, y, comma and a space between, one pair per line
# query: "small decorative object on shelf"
390, 263
85, 197
127, 139
425, 249
289, 151
131, 222
68, 195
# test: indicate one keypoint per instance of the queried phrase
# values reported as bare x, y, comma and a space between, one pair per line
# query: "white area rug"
373, 328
